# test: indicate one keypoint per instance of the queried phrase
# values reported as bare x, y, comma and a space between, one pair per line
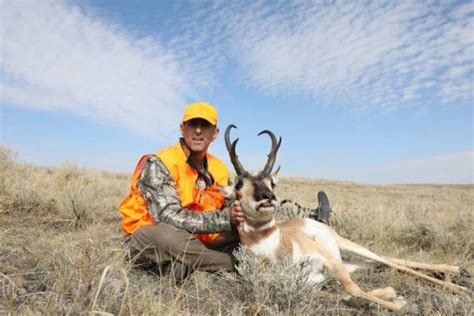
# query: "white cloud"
381, 54
376, 53
448, 168
58, 57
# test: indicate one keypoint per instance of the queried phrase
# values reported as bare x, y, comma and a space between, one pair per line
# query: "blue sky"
366, 91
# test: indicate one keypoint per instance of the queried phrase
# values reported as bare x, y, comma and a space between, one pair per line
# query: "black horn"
231, 149
272, 155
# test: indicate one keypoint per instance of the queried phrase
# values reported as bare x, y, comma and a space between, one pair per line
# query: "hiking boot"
176, 271
324, 209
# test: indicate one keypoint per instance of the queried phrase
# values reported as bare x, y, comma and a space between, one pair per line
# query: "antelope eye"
273, 185
239, 185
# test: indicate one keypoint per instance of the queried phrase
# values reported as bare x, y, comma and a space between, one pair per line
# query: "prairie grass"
62, 251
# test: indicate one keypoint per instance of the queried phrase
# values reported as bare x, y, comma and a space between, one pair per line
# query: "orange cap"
201, 110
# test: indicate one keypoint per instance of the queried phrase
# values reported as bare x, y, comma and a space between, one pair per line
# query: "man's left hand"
236, 214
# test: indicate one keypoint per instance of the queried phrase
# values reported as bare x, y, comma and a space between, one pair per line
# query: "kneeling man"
175, 211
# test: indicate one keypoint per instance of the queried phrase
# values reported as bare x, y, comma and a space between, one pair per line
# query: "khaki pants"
164, 243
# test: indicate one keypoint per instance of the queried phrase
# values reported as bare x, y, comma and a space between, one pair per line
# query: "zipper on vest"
200, 195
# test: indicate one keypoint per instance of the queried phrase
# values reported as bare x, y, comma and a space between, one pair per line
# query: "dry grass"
61, 249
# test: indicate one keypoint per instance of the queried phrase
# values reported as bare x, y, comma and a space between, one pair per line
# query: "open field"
61, 249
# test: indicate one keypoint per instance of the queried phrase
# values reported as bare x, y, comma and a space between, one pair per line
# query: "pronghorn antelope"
307, 239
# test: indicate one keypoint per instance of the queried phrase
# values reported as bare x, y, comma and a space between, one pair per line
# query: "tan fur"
290, 235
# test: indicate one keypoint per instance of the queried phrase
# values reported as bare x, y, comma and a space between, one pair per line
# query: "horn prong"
278, 169
273, 151
234, 144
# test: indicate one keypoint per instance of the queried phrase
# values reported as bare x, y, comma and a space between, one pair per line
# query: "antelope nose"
269, 195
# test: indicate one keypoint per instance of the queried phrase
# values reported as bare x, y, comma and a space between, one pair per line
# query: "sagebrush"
62, 250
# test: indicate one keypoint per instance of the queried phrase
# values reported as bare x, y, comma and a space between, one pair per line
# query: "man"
175, 214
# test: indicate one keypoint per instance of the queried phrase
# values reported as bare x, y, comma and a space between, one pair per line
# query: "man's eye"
239, 185
206, 125
193, 123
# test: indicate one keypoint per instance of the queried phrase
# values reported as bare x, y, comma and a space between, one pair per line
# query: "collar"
188, 159
203, 172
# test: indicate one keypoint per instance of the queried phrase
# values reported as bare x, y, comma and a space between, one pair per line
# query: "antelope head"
255, 191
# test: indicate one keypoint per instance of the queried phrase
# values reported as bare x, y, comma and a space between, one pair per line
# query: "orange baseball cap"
201, 110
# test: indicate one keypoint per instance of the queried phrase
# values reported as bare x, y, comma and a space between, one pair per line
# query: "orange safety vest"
133, 208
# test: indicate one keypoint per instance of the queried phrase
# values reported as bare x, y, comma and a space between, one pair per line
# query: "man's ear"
181, 127
216, 133
274, 176
227, 191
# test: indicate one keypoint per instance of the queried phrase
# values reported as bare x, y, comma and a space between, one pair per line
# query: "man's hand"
236, 214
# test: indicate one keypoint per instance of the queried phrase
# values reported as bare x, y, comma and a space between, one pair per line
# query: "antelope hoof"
387, 293
400, 301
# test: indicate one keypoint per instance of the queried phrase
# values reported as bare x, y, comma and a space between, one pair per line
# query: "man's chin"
199, 149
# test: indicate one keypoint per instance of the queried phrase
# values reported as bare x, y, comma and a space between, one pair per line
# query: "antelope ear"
227, 191
274, 175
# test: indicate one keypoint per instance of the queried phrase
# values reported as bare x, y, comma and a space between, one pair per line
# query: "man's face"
198, 134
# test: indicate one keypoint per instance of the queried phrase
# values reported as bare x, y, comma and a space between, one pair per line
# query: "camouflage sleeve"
164, 205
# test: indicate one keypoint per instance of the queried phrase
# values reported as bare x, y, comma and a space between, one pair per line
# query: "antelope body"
307, 239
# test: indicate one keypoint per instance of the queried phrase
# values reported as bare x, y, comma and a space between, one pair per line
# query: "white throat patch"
267, 246
250, 229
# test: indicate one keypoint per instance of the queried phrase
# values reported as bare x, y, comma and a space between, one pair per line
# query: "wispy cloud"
58, 57
449, 168
359, 55
379, 54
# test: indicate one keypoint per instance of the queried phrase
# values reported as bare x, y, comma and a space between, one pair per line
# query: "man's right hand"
236, 214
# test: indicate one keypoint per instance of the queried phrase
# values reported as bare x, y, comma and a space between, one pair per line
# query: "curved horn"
272, 155
231, 149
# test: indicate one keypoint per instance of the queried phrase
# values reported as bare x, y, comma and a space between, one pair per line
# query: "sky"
364, 91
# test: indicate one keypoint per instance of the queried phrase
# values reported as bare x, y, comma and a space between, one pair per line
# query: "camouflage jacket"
164, 205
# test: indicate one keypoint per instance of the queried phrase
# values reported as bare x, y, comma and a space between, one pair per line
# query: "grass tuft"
62, 250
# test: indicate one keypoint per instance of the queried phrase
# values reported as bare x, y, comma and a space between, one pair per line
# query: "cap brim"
191, 117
